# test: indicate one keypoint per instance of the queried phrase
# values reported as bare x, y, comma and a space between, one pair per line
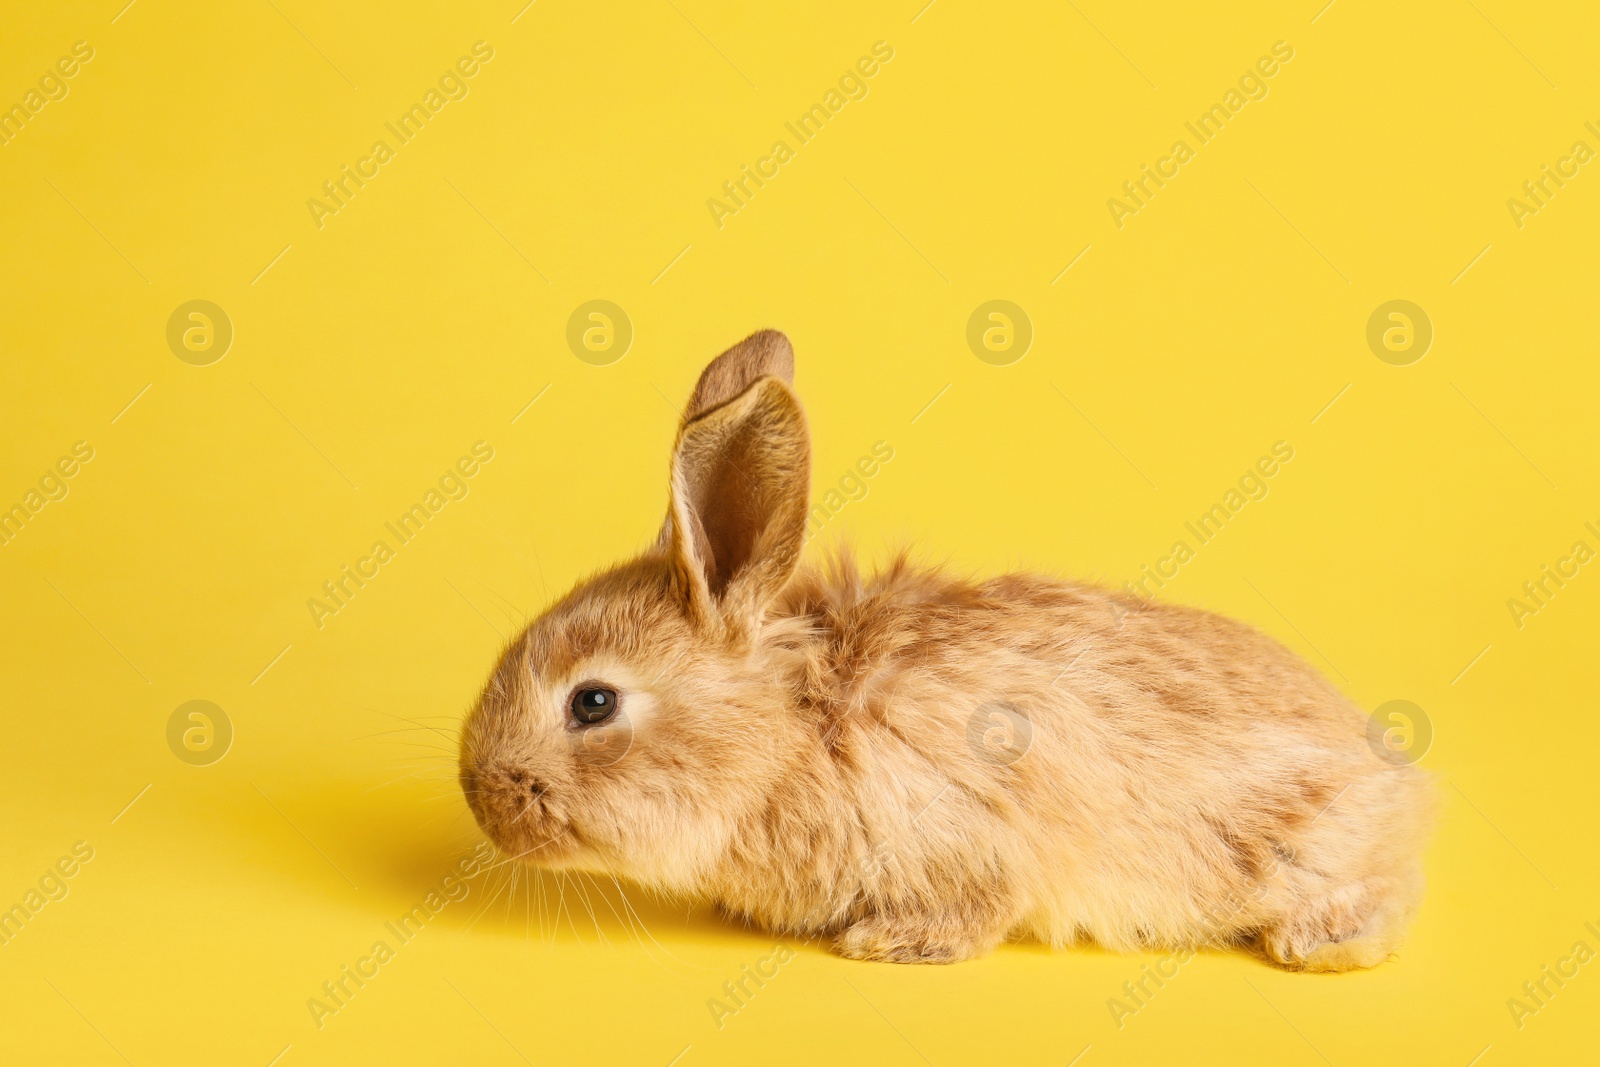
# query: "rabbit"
915, 766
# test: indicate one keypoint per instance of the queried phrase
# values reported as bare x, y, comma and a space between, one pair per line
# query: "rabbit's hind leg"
1347, 927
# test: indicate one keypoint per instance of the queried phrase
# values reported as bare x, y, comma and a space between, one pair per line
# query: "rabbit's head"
633, 725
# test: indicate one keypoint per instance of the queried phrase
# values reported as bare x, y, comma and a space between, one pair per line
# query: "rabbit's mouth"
532, 839
550, 851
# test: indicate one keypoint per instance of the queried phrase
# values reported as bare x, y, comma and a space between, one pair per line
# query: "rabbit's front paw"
901, 939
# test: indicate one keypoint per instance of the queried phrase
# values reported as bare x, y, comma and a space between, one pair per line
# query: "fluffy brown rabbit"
918, 766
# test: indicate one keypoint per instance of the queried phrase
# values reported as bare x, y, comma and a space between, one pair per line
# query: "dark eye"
593, 705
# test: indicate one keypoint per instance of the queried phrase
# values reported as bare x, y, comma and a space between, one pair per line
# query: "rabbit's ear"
741, 475
764, 354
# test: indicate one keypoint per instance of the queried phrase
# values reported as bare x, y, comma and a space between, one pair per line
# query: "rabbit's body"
1029, 756
918, 766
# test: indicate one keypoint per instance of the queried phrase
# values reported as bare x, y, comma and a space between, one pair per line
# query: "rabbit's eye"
593, 705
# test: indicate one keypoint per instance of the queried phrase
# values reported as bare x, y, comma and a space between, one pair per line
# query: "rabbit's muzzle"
515, 806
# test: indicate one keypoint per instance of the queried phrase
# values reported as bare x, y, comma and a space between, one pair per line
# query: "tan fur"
918, 766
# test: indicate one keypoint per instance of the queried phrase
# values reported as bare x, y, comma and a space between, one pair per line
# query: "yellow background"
1226, 315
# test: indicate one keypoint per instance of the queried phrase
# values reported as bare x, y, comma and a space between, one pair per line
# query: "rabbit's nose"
522, 779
